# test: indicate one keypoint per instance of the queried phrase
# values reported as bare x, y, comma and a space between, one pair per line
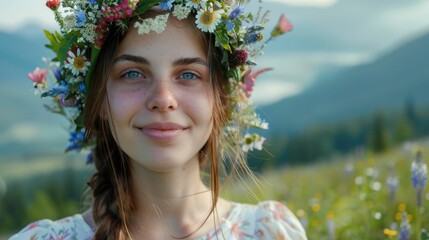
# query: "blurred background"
347, 103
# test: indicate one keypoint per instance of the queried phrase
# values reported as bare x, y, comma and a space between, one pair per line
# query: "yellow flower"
315, 207
390, 232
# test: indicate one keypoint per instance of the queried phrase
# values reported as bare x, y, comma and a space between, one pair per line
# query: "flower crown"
84, 25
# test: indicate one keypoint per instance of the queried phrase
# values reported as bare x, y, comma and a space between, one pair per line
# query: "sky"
327, 33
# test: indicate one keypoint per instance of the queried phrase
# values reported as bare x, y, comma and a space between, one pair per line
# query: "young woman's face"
160, 98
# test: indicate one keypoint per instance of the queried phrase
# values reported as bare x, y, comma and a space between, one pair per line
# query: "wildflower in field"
377, 215
302, 217
392, 183
404, 229
376, 186
349, 169
419, 176
330, 225
390, 233
359, 180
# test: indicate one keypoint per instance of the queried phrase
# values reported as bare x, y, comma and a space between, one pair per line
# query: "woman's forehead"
179, 37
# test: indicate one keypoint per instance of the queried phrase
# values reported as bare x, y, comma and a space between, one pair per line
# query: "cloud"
23, 132
307, 3
273, 90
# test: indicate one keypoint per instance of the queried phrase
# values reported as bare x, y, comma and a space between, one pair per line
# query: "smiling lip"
162, 131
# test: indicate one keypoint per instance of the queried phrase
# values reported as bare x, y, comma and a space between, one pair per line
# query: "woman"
165, 103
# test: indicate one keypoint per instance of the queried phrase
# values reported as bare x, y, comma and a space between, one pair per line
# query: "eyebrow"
178, 62
132, 58
187, 61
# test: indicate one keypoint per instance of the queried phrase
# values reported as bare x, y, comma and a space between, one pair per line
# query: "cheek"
122, 104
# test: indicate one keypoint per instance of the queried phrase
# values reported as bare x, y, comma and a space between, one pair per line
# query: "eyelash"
127, 75
137, 75
194, 76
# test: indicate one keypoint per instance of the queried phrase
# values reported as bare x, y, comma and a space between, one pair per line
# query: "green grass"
358, 203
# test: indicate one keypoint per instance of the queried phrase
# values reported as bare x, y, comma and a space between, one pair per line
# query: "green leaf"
143, 6
222, 39
94, 57
79, 121
54, 40
66, 45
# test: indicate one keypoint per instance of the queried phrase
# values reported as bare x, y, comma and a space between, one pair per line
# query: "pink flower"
38, 76
249, 80
283, 25
53, 4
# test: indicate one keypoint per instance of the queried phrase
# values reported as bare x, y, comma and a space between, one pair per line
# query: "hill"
386, 83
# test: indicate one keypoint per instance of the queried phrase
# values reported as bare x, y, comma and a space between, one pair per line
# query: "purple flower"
166, 5
419, 176
236, 12
404, 229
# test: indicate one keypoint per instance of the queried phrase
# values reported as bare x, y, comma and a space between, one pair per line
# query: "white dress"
269, 220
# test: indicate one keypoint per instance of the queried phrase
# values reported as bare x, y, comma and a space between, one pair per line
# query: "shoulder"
268, 220
73, 227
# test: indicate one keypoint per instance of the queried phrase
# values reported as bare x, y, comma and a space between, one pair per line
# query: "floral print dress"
269, 220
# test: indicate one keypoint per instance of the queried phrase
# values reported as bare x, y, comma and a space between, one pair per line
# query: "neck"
176, 199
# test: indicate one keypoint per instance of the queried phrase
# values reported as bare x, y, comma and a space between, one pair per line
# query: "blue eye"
133, 74
188, 76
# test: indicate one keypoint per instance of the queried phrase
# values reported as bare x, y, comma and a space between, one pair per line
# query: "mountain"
387, 83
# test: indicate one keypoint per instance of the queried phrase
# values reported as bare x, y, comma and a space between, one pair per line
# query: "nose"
161, 97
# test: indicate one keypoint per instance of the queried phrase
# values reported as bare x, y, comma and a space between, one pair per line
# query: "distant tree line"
50, 196
377, 133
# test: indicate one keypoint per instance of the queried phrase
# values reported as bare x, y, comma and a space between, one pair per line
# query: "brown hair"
111, 183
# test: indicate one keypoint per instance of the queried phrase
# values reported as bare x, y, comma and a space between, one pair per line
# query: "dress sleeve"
275, 221
70, 228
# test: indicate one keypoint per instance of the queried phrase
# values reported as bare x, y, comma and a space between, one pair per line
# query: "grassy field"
362, 196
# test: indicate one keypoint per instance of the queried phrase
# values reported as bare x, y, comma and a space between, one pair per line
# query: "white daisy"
196, 3
77, 63
181, 12
207, 19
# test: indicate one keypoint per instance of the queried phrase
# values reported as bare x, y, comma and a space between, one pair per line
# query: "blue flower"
236, 12
93, 2
75, 140
57, 73
82, 88
61, 90
252, 38
80, 18
90, 158
166, 5
230, 26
